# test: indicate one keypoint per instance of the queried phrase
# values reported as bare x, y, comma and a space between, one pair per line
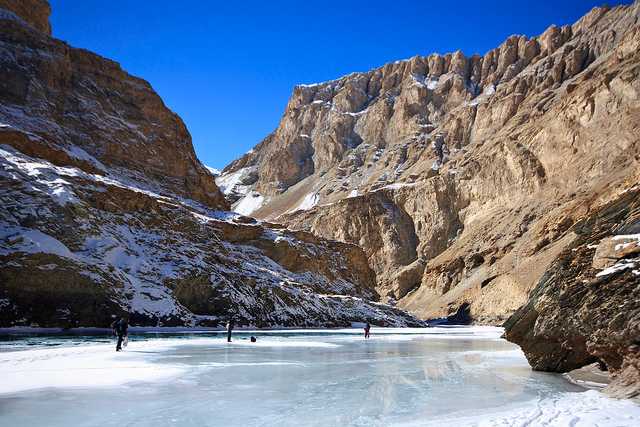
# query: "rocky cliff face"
460, 177
586, 306
77, 106
106, 209
32, 12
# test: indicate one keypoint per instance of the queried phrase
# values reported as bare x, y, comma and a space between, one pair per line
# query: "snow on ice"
490, 378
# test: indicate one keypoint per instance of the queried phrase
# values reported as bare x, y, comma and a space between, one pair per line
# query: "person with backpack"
367, 328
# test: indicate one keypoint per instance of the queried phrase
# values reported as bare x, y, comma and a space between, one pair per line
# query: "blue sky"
228, 68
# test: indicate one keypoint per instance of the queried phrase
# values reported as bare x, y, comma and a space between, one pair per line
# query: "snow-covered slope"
105, 209
75, 245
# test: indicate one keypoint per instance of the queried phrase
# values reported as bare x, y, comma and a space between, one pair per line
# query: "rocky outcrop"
105, 209
383, 223
460, 177
33, 12
586, 307
378, 121
73, 103
77, 247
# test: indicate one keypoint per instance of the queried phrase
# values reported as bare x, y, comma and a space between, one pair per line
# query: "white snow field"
445, 376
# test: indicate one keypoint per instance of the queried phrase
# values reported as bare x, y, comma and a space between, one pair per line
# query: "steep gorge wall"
586, 307
73, 104
538, 130
105, 210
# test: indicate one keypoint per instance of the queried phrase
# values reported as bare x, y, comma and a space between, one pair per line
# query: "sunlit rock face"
105, 209
74, 103
460, 177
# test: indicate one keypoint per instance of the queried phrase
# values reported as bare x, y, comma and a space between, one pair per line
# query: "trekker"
367, 328
229, 329
120, 328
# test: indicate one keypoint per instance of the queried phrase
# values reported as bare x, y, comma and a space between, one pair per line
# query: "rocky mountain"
462, 177
72, 101
106, 209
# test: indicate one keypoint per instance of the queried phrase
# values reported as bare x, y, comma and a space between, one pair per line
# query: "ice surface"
455, 376
586, 409
80, 366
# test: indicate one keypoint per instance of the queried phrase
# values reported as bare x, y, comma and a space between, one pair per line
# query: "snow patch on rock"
215, 172
635, 240
21, 239
616, 268
308, 202
249, 203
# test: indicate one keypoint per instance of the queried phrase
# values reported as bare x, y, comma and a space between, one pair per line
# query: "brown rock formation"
78, 104
533, 132
578, 313
76, 247
106, 209
33, 12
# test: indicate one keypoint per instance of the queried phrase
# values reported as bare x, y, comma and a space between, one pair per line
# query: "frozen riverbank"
457, 376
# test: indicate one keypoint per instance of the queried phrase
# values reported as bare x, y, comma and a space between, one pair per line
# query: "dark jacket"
120, 326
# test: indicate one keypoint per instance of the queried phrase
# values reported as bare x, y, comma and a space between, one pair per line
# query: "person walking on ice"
229, 329
367, 328
121, 329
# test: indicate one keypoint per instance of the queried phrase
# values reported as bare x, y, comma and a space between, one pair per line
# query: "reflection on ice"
439, 376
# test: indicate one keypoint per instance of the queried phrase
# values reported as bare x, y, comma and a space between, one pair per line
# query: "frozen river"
400, 377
